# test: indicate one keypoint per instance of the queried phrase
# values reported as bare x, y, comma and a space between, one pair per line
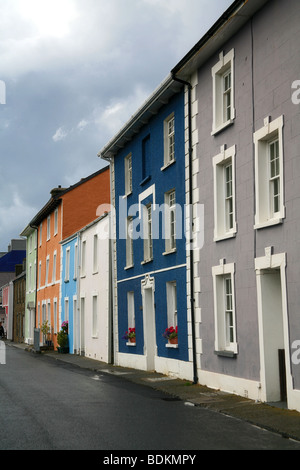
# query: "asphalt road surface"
50, 405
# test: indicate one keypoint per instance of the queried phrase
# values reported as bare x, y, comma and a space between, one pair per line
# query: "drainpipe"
191, 253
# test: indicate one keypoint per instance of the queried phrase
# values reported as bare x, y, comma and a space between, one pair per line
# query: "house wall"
69, 288
266, 53
95, 283
80, 204
51, 291
31, 276
163, 268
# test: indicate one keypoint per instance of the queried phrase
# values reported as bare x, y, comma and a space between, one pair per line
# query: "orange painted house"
67, 211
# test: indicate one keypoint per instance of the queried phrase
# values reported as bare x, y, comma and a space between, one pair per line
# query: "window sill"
127, 194
225, 236
222, 127
129, 267
146, 261
172, 346
230, 354
130, 344
167, 165
169, 252
269, 223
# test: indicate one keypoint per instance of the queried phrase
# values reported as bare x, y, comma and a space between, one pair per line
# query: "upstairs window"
223, 92
129, 242
48, 227
224, 194
147, 233
169, 140
170, 221
269, 175
128, 175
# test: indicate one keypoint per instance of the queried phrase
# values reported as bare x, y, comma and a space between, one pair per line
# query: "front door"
149, 322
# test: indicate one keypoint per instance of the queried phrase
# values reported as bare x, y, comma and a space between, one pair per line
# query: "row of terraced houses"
193, 224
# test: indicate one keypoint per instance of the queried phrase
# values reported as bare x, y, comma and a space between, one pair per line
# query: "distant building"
68, 210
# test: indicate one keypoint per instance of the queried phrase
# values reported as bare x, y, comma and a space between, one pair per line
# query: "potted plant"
45, 328
130, 335
63, 339
171, 334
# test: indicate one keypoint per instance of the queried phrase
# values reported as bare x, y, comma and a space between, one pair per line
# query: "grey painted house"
243, 127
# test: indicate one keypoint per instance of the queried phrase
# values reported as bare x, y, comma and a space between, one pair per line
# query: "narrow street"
49, 405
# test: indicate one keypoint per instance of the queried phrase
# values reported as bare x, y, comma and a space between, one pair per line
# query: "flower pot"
132, 340
173, 340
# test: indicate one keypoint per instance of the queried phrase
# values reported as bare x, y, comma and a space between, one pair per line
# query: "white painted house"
92, 325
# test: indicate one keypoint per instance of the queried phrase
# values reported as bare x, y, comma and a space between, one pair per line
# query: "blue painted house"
147, 159
69, 274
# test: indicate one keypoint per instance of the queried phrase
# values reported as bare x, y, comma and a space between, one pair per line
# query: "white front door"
149, 322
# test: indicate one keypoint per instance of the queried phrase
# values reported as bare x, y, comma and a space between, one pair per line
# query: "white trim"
224, 64
219, 307
219, 164
261, 138
268, 262
151, 273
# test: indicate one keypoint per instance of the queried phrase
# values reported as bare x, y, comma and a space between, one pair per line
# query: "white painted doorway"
150, 349
273, 327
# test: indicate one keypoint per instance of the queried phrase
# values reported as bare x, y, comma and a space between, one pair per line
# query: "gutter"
191, 253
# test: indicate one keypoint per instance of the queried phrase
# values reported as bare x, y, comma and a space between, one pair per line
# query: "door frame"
271, 262
148, 299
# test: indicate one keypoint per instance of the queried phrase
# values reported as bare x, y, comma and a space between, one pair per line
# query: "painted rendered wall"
95, 283
273, 62
163, 268
49, 291
69, 287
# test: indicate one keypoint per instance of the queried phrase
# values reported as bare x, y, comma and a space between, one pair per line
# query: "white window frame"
129, 242
171, 291
48, 227
49, 312
55, 315
75, 260
128, 174
170, 221
220, 71
130, 309
47, 270
67, 264
55, 221
83, 258
220, 163
95, 330
67, 307
147, 232
40, 274
54, 267
41, 234
265, 216
169, 141
95, 254
220, 274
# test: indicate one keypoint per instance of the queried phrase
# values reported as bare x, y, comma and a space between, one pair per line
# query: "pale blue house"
69, 274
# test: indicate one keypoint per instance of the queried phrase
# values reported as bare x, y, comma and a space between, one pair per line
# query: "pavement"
273, 418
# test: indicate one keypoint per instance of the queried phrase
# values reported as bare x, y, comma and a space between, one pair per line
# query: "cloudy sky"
72, 72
